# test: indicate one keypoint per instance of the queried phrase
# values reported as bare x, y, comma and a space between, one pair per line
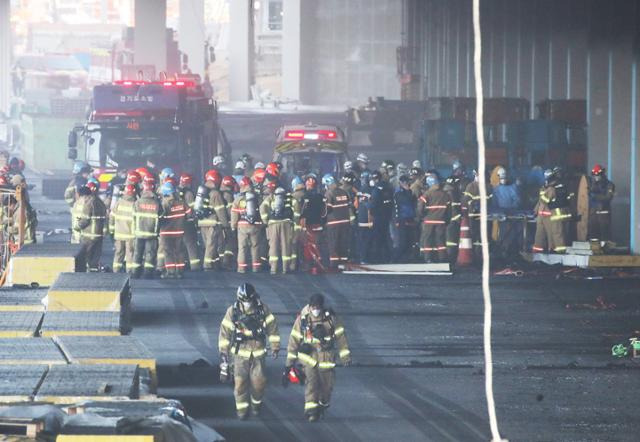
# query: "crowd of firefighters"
258, 218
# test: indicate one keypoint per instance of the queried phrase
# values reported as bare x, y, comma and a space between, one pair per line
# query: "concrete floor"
417, 350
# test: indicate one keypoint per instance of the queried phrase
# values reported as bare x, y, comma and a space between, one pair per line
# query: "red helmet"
245, 182
597, 170
143, 171
5, 169
92, 186
271, 184
228, 181
133, 177
130, 189
185, 180
258, 175
148, 179
3, 180
213, 176
311, 182
273, 169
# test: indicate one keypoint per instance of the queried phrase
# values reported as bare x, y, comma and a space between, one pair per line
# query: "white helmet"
501, 172
259, 165
218, 160
240, 165
348, 166
363, 158
417, 164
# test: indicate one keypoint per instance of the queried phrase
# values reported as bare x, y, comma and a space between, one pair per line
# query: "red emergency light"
179, 83
312, 135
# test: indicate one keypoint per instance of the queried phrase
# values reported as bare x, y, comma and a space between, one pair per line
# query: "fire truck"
133, 123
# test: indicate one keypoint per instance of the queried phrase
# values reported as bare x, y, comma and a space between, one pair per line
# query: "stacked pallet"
40, 264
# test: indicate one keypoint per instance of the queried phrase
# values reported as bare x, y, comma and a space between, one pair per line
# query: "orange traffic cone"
465, 252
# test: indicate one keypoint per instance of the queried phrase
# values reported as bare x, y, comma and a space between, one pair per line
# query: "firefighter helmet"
246, 292
167, 189
92, 185
271, 184
133, 177
130, 190
296, 183
241, 165
245, 182
228, 181
3, 180
273, 169
167, 172
218, 161
597, 170
328, 180
213, 176
149, 179
259, 175
362, 158
348, 166
311, 182
185, 180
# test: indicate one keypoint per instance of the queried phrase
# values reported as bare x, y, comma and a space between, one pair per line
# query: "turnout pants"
319, 385
123, 254
476, 240
230, 249
453, 239
250, 382
91, 249
364, 235
338, 236
173, 259
280, 235
146, 251
600, 226
550, 235
249, 247
404, 251
432, 241
212, 237
190, 242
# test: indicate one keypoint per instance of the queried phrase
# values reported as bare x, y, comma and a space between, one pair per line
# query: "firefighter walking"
121, 227
317, 340
146, 214
245, 329
90, 224
277, 213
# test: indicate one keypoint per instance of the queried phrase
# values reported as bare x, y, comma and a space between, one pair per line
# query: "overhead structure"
240, 50
191, 35
150, 35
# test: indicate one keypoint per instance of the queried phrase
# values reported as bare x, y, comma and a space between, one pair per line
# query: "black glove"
285, 376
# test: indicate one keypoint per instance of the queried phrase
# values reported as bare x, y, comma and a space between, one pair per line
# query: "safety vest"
145, 216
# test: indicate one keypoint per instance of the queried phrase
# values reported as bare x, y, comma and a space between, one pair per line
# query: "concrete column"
191, 34
240, 50
150, 45
5, 55
292, 49
635, 158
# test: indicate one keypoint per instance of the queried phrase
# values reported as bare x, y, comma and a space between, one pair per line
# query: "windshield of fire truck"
131, 149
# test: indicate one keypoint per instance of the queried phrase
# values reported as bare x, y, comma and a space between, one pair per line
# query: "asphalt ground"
416, 343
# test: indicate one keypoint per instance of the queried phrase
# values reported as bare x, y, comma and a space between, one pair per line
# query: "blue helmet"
296, 182
94, 180
79, 167
328, 180
167, 172
167, 189
431, 180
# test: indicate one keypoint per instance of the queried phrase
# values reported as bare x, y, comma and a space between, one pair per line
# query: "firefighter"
239, 170
362, 164
317, 337
146, 214
313, 216
340, 215
350, 186
269, 187
190, 237
172, 219
246, 327
405, 213
297, 193
81, 173
388, 171
416, 175
121, 227
434, 212
455, 185
245, 220
213, 219
30, 215
552, 214
91, 225
505, 202
276, 211
471, 209
363, 219
220, 165
228, 188
601, 192
381, 209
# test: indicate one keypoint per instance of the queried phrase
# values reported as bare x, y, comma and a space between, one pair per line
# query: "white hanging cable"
488, 358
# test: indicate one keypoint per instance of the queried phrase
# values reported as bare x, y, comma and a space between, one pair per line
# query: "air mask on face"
316, 312
247, 305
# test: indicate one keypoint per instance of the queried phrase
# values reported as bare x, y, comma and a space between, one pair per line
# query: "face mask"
316, 312
503, 181
372, 183
597, 177
247, 305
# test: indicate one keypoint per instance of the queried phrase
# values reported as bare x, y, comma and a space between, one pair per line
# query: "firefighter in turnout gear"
121, 227
298, 191
340, 216
434, 212
172, 219
213, 219
81, 173
190, 238
553, 214
317, 340
453, 228
601, 192
246, 327
91, 225
471, 208
146, 214
245, 220
277, 214
228, 187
